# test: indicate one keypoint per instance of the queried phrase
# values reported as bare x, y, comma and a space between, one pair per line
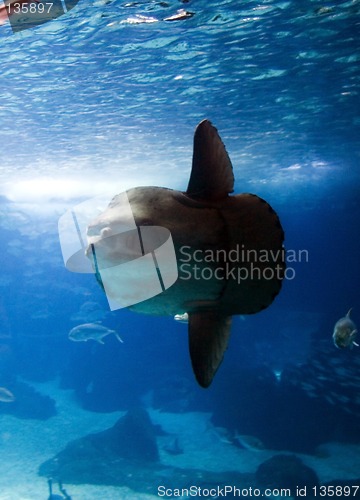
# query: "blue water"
93, 102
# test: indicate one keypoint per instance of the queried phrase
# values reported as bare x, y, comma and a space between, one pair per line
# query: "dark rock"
132, 437
127, 455
286, 471
28, 402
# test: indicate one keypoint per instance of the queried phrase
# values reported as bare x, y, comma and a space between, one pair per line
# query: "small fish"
222, 434
277, 373
173, 447
251, 443
6, 396
180, 15
91, 331
345, 332
182, 318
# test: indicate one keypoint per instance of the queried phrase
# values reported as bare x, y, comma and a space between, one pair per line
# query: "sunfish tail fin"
209, 333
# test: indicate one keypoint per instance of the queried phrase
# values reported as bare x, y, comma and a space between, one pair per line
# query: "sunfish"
91, 331
229, 250
345, 332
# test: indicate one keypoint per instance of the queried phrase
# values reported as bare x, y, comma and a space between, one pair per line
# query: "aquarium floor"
25, 444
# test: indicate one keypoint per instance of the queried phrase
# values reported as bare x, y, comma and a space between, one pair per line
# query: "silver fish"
91, 331
182, 318
6, 396
345, 332
251, 443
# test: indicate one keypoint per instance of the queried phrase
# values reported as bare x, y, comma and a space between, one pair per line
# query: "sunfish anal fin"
209, 333
212, 176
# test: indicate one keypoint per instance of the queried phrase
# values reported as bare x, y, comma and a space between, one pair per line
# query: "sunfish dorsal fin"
212, 175
209, 333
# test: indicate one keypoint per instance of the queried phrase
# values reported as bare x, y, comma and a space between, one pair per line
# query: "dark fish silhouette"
210, 231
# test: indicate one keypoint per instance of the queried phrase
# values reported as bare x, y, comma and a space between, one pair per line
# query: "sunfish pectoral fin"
209, 333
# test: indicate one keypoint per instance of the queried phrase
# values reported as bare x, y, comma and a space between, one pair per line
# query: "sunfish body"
345, 332
91, 331
210, 230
